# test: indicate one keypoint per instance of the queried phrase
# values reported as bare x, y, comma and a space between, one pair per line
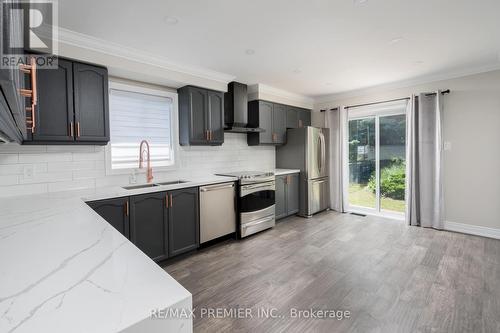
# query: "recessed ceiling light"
297, 71
396, 40
170, 20
418, 62
250, 51
360, 2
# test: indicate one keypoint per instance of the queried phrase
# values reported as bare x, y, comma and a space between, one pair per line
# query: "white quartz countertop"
65, 269
281, 172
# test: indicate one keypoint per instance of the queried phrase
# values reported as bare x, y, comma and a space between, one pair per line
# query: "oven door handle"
249, 190
253, 224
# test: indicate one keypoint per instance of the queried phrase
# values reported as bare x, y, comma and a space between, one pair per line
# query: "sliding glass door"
376, 160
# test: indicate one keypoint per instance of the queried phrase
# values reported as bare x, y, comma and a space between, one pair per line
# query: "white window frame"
174, 126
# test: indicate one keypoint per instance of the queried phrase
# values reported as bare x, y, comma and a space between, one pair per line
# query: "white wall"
59, 168
472, 125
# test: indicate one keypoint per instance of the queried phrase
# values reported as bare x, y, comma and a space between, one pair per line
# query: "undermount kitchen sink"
173, 182
135, 187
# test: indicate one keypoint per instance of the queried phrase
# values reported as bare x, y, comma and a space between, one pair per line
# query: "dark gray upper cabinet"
287, 195
72, 105
91, 103
292, 117
183, 218
269, 116
274, 119
201, 117
279, 123
216, 117
12, 104
304, 118
260, 114
54, 112
115, 212
280, 208
149, 224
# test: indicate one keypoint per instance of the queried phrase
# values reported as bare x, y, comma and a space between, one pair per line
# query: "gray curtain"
336, 121
424, 168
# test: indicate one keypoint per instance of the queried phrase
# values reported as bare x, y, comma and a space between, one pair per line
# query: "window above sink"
141, 113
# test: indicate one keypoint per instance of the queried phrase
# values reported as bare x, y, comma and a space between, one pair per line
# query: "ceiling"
309, 47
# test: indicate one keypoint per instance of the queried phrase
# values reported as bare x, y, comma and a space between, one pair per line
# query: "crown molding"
324, 99
263, 91
91, 43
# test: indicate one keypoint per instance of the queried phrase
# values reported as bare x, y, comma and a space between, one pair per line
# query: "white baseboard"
472, 229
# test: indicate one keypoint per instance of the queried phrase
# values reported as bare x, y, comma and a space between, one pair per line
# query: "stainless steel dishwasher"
217, 211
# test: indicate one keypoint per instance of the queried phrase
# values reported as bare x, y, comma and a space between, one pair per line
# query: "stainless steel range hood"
236, 109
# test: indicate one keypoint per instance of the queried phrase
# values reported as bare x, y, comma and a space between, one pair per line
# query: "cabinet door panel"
183, 217
115, 212
292, 117
91, 103
304, 118
198, 116
148, 224
216, 116
266, 122
292, 198
54, 112
279, 123
280, 210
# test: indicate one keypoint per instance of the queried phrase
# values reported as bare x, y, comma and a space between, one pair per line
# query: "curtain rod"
444, 92
374, 103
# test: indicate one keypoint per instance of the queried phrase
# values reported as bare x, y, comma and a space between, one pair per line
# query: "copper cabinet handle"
126, 208
211, 135
300, 123
171, 201
71, 129
166, 201
30, 120
77, 129
34, 90
26, 93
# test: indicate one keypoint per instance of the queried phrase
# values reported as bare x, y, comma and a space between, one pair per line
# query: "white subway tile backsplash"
9, 158
58, 168
93, 156
44, 157
9, 180
24, 189
71, 185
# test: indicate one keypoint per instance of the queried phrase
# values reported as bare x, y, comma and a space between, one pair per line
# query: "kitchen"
144, 189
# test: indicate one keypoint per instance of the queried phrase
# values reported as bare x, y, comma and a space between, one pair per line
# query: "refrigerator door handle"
319, 156
323, 152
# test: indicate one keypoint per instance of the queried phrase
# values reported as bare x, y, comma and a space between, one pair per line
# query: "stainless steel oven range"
256, 201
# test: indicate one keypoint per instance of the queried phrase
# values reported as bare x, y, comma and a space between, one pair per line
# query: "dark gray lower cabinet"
161, 224
292, 194
280, 208
115, 212
287, 195
149, 224
183, 216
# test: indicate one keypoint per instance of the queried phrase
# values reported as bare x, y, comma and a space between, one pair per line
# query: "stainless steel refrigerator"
307, 149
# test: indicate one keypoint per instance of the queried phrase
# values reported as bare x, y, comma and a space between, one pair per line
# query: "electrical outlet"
28, 172
447, 145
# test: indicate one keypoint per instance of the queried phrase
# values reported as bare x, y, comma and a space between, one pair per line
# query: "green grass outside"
360, 195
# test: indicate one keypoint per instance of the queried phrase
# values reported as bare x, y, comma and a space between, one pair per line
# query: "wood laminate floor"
391, 277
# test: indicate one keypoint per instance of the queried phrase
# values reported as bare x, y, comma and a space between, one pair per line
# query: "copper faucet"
144, 148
